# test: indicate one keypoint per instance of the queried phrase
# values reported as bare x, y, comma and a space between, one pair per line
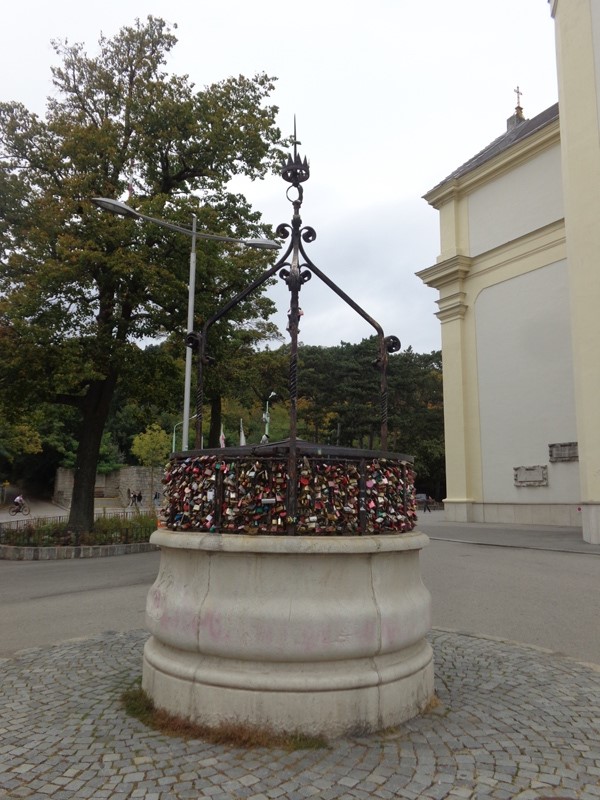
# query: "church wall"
595, 11
524, 366
518, 202
578, 59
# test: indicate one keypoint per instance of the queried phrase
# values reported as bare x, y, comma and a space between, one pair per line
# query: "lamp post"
118, 207
174, 442
266, 416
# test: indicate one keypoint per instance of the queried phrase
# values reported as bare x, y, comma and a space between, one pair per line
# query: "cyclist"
19, 501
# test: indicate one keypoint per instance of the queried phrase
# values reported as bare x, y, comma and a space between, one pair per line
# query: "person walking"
426, 503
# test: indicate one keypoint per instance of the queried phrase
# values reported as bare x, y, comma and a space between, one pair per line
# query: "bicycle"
22, 509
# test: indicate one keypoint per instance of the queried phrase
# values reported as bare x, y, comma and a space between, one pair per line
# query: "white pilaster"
578, 61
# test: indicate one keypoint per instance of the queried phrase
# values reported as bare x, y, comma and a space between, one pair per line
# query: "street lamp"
174, 442
118, 207
267, 418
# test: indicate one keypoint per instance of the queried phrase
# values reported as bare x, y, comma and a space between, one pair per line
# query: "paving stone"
514, 723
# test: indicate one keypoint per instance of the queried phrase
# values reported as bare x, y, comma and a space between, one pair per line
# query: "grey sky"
390, 96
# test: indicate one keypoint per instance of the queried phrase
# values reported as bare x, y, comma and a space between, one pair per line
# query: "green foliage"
339, 401
80, 288
152, 447
105, 530
17, 438
110, 457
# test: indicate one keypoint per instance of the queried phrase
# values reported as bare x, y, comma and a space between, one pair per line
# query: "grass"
138, 704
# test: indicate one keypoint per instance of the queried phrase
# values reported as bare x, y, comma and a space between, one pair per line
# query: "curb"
520, 546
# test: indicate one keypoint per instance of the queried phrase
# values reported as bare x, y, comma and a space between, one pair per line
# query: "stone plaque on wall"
531, 476
563, 451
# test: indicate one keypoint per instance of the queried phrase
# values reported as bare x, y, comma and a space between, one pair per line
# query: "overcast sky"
390, 97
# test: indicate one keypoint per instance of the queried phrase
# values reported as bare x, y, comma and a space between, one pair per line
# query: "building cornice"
451, 270
520, 152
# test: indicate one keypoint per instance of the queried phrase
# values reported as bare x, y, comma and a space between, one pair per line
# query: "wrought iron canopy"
295, 268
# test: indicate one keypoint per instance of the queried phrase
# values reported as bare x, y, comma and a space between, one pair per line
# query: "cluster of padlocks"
243, 494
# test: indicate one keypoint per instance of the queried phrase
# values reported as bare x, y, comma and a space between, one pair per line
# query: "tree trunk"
215, 421
95, 409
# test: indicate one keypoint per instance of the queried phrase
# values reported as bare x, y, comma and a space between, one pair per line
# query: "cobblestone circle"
513, 722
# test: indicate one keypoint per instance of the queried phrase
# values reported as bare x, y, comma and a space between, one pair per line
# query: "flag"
222, 437
242, 434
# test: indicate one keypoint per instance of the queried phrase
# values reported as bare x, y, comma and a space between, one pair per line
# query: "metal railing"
53, 531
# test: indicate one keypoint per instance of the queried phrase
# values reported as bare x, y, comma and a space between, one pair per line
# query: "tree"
417, 415
18, 437
151, 448
339, 403
80, 289
340, 386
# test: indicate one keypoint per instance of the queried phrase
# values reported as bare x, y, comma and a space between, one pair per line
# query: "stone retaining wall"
18, 553
146, 480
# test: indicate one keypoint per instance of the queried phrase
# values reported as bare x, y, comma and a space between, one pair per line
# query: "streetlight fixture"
118, 207
267, 418
174, 442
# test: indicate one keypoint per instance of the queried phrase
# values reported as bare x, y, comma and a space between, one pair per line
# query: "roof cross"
518, 92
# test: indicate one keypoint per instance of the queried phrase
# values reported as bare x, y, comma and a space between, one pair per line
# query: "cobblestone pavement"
514, 722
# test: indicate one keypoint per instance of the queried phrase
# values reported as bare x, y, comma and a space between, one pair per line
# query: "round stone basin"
320, 635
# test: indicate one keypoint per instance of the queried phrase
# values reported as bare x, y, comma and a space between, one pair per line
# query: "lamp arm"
258, 243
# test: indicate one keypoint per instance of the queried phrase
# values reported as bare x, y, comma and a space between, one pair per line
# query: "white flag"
222, 437
242, 434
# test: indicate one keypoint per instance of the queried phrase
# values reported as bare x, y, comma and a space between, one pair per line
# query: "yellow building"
519, 304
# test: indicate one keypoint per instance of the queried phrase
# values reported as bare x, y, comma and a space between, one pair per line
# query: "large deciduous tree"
79, 288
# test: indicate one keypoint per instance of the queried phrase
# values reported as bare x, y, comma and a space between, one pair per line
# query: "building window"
564, 451
531, 476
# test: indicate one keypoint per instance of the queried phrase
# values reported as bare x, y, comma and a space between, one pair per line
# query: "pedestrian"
426, 503
128, 497
265, 438
139, 498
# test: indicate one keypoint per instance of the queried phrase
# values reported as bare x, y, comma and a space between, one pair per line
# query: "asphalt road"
545, 598
45, 602
540, 597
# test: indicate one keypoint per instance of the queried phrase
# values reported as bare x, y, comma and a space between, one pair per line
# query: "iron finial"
296, 170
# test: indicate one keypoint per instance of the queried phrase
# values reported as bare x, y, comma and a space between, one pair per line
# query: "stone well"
314, 633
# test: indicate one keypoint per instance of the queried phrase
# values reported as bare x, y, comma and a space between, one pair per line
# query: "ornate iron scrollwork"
296, 268
392, 344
